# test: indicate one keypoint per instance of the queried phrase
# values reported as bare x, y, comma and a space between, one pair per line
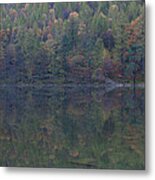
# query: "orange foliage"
73, 14
133, 29
13, 12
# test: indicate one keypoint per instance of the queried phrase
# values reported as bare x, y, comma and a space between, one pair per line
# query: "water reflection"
72, 127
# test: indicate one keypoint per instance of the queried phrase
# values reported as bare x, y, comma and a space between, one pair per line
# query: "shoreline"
115, 85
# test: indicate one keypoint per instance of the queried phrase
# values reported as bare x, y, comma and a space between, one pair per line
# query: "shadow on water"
72, 127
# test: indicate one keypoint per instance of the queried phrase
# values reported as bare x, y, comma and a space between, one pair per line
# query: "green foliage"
48, 34
99, 24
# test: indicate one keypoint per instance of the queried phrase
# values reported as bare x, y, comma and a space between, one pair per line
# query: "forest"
80, 42
61, 67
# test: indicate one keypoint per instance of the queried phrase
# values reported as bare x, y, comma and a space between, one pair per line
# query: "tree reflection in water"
72, 127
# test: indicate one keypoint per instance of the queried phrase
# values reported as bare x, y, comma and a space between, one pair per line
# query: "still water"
72, 127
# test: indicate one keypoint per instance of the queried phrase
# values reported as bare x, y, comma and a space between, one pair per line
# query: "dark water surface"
72, 127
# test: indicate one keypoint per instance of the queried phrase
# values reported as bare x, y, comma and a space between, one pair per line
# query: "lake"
72, 127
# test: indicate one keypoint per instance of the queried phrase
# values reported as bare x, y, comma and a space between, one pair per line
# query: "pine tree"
99, 24
121, 38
